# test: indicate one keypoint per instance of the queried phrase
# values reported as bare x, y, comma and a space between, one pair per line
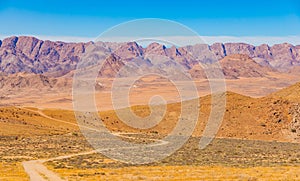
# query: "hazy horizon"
256, 41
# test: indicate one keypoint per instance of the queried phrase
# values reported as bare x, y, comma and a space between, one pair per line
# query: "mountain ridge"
32, 55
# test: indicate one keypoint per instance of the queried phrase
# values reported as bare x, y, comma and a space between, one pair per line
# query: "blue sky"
207, 18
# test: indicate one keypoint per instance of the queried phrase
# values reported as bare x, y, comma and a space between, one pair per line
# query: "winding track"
38, 172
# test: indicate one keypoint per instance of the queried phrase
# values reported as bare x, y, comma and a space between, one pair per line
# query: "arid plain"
257, 140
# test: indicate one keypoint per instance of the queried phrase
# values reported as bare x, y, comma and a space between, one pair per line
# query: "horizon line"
173, 40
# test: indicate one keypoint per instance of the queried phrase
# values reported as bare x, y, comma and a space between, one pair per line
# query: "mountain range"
31, 55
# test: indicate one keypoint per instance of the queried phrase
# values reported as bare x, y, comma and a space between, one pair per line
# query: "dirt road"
38, 172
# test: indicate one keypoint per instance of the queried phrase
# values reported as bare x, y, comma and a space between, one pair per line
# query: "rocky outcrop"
295, 123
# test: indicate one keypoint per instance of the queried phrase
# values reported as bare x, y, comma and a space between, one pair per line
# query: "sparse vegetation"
30, 133
226, 158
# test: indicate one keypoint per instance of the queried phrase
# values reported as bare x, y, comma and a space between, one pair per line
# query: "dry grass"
28, 122
12, 172
183, 173
224, 159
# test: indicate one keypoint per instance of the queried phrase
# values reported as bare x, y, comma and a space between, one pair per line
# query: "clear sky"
208, 18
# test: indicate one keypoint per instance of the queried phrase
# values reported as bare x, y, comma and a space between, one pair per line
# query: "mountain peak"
10, 41
129, 50
156, 48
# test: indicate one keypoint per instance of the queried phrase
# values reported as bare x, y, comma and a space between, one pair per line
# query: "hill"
268, 118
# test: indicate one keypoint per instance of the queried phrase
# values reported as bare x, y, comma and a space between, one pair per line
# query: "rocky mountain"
28, 54
31, 55
236, 66
241, 65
